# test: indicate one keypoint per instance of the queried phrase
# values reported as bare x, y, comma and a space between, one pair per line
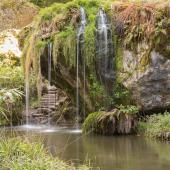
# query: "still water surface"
107, 153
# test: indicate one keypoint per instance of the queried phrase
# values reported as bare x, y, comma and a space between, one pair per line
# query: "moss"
65, 45
90, 124
89, 49
118, 57
111, 123
145, 60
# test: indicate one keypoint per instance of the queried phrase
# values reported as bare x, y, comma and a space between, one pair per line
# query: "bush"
156, 125
10, 105
11, 77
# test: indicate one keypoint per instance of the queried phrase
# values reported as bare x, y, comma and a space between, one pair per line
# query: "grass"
156, 125
18, 154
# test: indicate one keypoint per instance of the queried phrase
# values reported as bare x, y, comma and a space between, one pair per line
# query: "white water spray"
103, 30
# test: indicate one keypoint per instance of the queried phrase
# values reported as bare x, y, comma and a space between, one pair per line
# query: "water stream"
80, 59
27, 100
104, 51
49, 76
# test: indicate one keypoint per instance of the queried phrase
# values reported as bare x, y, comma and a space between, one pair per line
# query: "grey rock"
150, 87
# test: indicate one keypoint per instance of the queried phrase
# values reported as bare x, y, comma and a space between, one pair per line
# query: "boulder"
147, 76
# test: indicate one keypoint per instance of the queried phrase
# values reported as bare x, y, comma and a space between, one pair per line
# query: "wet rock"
147, 76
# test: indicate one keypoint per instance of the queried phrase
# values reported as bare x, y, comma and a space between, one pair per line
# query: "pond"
105, 152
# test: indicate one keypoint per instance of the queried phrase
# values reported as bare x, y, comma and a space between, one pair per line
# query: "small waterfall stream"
49, 77
27, 100
49, 62
79, 60
104, 50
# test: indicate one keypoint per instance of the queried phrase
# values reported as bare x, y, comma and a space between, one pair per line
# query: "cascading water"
27, 100
104, 51
49, 76
49, 62
79, 59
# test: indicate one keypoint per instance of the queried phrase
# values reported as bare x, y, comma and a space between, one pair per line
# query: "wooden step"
46, 107
37, 115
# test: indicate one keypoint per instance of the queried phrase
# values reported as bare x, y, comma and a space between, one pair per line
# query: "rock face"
16, 14
148, 78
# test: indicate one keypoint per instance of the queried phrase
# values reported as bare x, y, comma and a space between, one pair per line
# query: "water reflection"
108, 153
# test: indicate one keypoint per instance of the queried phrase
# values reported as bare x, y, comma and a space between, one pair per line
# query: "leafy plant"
10, 104
98, 94
156, 126
128, 109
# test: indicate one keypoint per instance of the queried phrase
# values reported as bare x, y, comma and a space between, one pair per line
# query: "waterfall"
49, 76
27, 99
49, 62
79, 59
104, 51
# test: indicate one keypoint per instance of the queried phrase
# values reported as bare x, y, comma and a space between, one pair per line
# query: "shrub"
10, 105
128, 109
11, 77
158, 124
155, 126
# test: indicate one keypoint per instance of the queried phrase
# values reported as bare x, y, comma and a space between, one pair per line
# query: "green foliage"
110, 122
65, 45
19, 154
11, 94
158, 124
45, 3
90, 124
89, 45
141, 127
11, 77
161, 39
128, 109
9, 60
10, 105
98, 94
121, 94
155, 125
